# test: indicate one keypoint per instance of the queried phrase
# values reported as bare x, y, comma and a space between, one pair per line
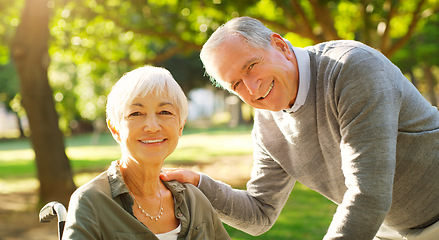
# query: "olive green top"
102, 209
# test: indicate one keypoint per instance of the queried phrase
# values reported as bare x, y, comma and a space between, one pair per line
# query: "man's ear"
113, 131
278, 42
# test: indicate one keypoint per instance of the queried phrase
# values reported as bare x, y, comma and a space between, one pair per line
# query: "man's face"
265, 79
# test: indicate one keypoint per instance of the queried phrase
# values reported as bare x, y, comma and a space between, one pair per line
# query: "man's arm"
254, 210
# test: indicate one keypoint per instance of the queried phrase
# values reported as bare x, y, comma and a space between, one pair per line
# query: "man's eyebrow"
250, 61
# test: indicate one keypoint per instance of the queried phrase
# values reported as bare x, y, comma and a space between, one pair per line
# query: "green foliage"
9, 20
93, 42
422, 49
8, 83
350, 21
426, 42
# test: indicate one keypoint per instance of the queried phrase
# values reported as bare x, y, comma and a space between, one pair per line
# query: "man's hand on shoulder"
181, 175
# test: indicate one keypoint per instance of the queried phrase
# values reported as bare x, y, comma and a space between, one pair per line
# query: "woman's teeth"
153, 141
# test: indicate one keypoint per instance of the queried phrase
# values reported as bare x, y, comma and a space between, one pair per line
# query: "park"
223, 153
59, 59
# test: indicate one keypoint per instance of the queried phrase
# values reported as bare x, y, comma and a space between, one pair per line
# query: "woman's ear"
181, 128
113, 131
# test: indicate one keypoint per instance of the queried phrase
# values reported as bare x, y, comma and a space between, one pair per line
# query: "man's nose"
252, 85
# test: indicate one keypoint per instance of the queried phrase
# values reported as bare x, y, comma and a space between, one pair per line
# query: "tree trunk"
20, 126
30, 52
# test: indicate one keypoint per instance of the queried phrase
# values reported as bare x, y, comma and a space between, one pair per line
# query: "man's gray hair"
252, 30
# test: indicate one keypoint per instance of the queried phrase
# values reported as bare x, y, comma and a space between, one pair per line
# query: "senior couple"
338, 117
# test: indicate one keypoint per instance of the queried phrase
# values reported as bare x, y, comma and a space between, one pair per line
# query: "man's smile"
268, 92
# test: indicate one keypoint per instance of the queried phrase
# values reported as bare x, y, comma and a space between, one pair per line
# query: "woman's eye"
164, 112
133, 114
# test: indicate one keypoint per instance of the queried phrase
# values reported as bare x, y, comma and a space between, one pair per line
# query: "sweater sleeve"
256, 209
367, 103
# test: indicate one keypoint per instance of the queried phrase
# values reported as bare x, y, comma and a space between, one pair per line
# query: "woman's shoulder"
97, 185
185, 190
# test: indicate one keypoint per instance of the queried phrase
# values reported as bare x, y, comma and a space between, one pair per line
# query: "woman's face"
150, 128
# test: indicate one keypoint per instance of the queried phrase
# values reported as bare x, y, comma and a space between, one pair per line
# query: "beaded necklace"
159, 215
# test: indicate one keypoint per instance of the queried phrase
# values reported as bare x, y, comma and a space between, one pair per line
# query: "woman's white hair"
252, 30
141, 82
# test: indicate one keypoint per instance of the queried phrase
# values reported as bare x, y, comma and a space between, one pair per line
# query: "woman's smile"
152, 141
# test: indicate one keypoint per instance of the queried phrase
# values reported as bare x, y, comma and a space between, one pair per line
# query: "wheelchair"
52, 210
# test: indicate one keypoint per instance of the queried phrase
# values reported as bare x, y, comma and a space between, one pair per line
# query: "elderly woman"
146, 113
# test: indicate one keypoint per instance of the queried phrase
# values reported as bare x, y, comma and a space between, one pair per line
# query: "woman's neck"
140, 178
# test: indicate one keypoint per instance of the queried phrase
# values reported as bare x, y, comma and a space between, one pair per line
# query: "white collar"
303, 64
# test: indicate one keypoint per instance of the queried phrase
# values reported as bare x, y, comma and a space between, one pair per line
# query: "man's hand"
181, 175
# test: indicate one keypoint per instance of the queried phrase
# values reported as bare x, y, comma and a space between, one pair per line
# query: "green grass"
95, 154
305, 216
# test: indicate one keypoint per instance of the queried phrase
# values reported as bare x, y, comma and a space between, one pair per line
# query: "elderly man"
338, 117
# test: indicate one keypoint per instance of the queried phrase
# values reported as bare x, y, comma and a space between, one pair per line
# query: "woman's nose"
151, 124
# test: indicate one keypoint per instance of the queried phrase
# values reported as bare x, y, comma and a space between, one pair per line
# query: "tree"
427, 43
29, 50
419, 53
9, 86
386, 25
9, 89
95, 41
102, 39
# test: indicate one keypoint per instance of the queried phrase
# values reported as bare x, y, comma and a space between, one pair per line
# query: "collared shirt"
303, 63
102, 209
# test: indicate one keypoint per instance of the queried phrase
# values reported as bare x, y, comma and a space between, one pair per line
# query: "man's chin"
272, 108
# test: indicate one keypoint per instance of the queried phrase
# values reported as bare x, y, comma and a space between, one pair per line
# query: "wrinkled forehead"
231, 58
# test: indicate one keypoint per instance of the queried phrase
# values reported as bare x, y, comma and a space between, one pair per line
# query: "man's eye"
251, 66
236, 85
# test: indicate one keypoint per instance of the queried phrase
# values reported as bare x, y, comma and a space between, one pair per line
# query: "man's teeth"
152, 141
269, 90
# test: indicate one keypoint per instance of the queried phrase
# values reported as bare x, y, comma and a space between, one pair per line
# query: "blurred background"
59, 59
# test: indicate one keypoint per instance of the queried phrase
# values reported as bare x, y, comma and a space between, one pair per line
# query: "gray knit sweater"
365, 138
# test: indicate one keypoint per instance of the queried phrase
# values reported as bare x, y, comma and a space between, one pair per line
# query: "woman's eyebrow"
160, 105
165, 103
137, 104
